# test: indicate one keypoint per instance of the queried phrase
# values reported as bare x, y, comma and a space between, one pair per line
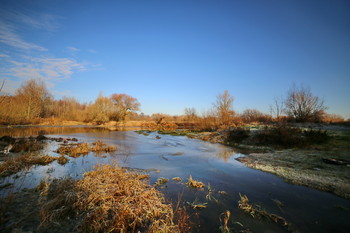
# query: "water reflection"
168, 156
225, 155
39, 130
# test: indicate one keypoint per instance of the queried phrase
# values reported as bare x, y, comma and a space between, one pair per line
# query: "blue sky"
176, 54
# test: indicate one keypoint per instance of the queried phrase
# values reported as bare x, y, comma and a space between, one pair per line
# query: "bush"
237, 135
284, 136
316, 136
107, 199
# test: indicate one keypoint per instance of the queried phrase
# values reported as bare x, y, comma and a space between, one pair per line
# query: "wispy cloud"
45, 68
9, 37
92, 51
48, 22
73, 49
17, 66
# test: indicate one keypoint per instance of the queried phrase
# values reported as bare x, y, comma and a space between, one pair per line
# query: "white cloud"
9, 37
45, 68
92, 51
73, 49
17, 66
47, 22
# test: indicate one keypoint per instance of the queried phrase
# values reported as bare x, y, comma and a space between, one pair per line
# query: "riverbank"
323, 165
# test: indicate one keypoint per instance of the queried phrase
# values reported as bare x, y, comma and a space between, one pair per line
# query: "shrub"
108, 199
286, 136
282, 135
316, 136
237, 135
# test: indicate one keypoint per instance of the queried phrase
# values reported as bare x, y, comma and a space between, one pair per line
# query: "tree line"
32, 102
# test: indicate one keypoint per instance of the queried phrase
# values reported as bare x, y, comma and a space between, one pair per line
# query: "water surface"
307, 210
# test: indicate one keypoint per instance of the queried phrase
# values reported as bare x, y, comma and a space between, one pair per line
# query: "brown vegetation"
224, 218
124, 105
33, 104
108, 199
224, 108
15, 164
62, 160
99, 146
76, 150
194, 183
257, 212
287, 137
302, 106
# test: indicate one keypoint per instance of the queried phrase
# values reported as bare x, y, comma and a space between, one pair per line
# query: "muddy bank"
303, 167
318, 159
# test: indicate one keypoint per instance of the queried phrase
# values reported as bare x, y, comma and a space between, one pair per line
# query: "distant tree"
101, 110
69, 108
33, 97
190, 114
252, 115
302, 106
2, 97
224, 107
276, 109
124, 104
332, 118
207, 121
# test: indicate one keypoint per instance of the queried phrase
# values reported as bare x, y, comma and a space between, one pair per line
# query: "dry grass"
57, 199
224, 218
160, 181
257, 212
27, 145
15, 164
178, 179
210, 194
197, 205
99, 146
76, 150
194, 183
181, 216
109, 199
62, 160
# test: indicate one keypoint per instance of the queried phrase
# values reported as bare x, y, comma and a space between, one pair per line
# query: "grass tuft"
257, 212
160, 181
109, 199
194, 183
224, 218
62, 160
178, 179
76, 150
15, 164
99, 146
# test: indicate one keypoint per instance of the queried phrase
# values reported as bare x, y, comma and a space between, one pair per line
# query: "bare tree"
124, 105
190, 114
276, 109
224, 107
303, 106
101, 110
33, 97
2, 98
252, 115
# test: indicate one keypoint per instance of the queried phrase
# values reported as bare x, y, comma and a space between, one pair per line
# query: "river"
307, 210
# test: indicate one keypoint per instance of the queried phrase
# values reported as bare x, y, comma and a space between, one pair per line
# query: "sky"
179, 53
